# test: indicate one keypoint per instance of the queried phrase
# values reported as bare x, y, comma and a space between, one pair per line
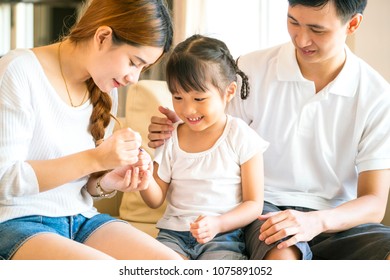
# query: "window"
35, 23
5, 28
244, 25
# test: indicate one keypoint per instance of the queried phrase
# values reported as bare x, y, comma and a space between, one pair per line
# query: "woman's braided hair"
134, 22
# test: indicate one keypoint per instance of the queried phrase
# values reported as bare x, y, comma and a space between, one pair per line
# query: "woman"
56, 104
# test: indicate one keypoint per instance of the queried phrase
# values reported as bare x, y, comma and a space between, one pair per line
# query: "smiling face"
318, 33
203, 111
114, 66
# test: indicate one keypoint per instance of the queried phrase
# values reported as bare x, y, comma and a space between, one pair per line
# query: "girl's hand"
120, 149
205, 228
144, 160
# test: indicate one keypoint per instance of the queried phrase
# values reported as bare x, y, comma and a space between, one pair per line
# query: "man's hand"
160, 129
298, 226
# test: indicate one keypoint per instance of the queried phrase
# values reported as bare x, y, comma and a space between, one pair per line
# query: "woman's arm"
120, 149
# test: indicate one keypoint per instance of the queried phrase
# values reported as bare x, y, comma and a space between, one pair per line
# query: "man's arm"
368, 207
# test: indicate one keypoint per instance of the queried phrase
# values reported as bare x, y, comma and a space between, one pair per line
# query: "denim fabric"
225, 246
14, 233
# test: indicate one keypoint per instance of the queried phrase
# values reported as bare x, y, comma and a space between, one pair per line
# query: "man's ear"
103, 35
354, 23
230, 91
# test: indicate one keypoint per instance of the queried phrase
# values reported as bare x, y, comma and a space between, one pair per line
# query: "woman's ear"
354, 23
103, 35
230, 91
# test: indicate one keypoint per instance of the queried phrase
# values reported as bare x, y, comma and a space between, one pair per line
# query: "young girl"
210, 170
56, 103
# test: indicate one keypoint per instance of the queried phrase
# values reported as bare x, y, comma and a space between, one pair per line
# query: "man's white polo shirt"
318, 142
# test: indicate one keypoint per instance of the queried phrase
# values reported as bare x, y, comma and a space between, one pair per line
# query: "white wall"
372, 40
372, 43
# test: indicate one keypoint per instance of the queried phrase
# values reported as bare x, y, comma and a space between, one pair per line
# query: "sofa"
142, 101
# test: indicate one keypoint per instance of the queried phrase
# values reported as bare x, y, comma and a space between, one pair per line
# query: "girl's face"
115, 66
203, 110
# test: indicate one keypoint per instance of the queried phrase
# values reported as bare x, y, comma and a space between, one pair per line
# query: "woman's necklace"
66, 85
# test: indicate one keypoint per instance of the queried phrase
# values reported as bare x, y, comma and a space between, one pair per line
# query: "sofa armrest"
110, 205
143, 100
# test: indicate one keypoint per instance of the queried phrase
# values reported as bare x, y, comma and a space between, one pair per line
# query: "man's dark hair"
345, 9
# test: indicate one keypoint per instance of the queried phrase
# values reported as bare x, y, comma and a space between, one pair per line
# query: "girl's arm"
252, 181
154, 196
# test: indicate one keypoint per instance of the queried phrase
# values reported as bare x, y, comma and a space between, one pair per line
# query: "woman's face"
119, 65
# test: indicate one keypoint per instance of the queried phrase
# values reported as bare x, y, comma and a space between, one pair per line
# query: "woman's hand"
120, 149
131, 178
127, 179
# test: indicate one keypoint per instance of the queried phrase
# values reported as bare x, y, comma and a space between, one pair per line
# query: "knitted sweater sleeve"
17, 178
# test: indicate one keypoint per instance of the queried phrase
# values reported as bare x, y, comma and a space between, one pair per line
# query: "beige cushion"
143, 99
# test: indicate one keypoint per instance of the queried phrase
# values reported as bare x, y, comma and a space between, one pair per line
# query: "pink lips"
306, 52
117, 84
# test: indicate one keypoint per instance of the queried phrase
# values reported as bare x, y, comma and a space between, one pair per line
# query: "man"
326, 114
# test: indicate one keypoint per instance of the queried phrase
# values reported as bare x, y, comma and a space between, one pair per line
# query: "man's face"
317, 33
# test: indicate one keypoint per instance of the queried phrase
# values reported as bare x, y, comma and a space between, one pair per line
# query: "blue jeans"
14, 233
225, 246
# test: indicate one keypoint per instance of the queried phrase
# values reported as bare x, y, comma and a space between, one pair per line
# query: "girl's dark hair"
345, 9
200, 60
134, 22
